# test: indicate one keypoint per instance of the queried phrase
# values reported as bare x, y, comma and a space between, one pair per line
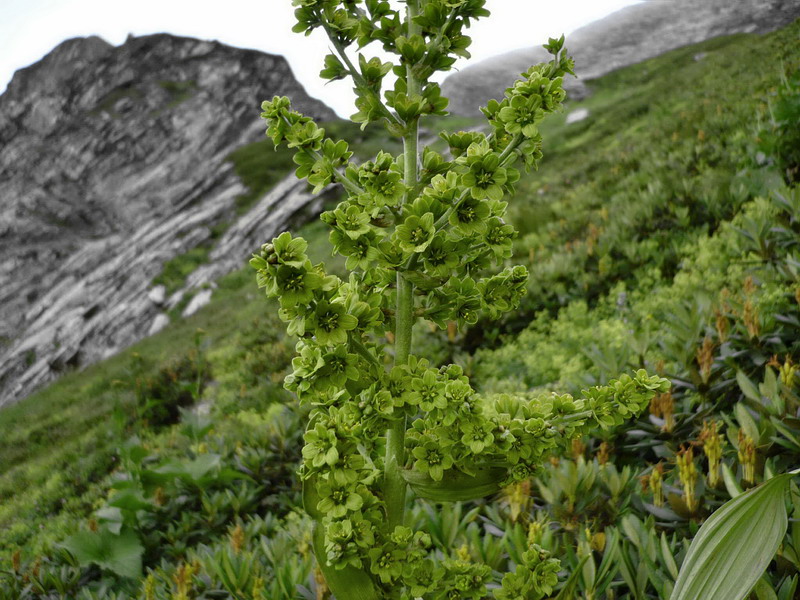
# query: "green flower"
304, 366
466, 300
522, 114
520, 472
390, 255
470, 216
402, 536
498, 238
360, 252
348, 470
319, 172
336, 500
443, 189
519, 445
351, 220
383, 184
330, 323
340, 545
485, 177
468, 579
305, 135
309, 361
320, 448
274, 108
477, 436
288, 251
534, 579
431, 459
502, 292
339, 367
461, 140
382, 402
423, 577
397, 383
295, 285
387, 562
416, 233
346, 540
441, 258
466, 311
427, 392
386, 188
369, 314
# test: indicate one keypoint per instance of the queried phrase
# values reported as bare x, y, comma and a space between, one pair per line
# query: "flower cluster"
534, 579
460, 438
433, 43
459, 445
425, 237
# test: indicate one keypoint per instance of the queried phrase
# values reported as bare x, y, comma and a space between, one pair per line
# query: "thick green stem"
394, 484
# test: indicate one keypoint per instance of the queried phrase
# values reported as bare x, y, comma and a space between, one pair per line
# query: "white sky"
29, 29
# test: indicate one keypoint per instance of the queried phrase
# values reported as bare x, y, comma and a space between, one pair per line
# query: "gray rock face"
628, 36
113, 161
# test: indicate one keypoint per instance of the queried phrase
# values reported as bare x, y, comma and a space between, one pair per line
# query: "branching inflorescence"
425, 238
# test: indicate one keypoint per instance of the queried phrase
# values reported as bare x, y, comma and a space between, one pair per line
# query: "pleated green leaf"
733, 548
456, 486
121, 553
311, 498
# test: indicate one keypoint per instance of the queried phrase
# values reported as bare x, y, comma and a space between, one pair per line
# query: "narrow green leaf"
669, 560
787, 433
642, 575
608, 566
747, 386
764, 590
734, 546
769, 471
625, 555
733, 487
788, 589
770, 387
568, 591
746, 421
589, 572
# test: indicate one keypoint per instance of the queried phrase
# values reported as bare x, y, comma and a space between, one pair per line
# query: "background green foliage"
645, 238
176, 270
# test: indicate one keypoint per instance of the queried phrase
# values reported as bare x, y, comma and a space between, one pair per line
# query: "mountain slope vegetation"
662, 231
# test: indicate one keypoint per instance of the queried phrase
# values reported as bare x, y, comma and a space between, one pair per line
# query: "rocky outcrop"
626, 37
113, 161
290, 200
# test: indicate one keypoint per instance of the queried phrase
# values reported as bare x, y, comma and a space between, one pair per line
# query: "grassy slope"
43, 437
589, 176
622, 198
59, 443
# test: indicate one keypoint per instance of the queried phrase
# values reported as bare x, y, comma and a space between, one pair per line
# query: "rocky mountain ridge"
112, 162
625, 37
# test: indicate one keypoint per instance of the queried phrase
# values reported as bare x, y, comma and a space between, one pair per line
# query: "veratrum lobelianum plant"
425, 238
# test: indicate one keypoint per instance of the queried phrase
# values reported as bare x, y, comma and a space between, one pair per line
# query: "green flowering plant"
425, 238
